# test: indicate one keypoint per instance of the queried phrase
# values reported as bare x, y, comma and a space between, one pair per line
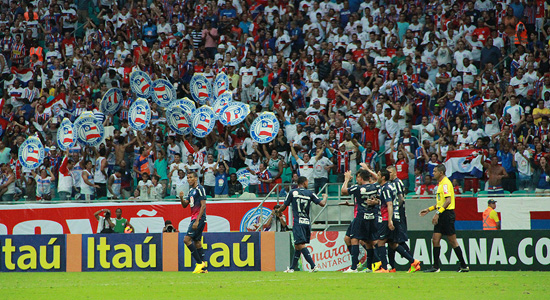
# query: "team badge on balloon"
221, 84
178, 120
140, 82
201, 89
264, 128
111, 101
163, 92
89, 130
187, 105
233, 113
31, 153
65, 135
221, 102
139, 114
202, 121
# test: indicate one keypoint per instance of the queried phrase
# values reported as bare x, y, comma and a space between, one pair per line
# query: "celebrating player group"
379, 219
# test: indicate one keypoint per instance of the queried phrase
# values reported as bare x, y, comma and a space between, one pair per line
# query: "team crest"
111, 101
65, 135
31, 153
221, 102
178, 120
202, 121
163, 92
186, 104
201, 89
243, 176
233, 113
140, 82
295, 193
89, 130
264, 128
139, 114
221, 84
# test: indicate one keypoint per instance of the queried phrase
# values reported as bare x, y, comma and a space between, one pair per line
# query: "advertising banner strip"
74, 252
238, 251
170, 251
122, 252
268, 251
33, 253
78, 218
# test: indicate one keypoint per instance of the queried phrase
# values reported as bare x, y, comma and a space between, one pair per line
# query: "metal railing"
260, 206
332, 201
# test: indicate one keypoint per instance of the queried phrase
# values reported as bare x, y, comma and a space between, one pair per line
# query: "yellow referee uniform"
445, 189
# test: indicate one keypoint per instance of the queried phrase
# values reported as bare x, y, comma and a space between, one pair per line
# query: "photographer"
168, 227
277, 221
105, 225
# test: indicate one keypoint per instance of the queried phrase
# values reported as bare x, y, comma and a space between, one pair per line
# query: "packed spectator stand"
386, 83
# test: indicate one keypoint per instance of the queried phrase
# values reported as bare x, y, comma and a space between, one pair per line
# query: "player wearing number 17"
300, 201
196, 200
444, 220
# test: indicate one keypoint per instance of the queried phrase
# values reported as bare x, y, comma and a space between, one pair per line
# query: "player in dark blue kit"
402, 229
300, 200
388, 224
363, 227
196, 199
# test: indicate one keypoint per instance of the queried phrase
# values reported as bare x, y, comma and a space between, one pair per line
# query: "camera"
107, 215
170, 228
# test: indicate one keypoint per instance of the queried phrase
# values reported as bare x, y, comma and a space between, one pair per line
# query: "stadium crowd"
383, 82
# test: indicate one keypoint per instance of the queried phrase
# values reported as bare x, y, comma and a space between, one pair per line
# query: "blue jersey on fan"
300, 200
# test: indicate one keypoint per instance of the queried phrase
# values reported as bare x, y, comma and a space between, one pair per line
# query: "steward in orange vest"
521, 34
490, 217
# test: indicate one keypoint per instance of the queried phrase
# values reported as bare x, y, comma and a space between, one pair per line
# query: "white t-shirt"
515, 112
520, 85
143, 187
176, 167
523, 163
425, 135
476, 134
306, 169
254, 167
208, 173
248, 74
319, 170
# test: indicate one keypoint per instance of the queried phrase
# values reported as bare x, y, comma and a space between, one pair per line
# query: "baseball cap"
475, 122
341, 144
492, 201
52, 148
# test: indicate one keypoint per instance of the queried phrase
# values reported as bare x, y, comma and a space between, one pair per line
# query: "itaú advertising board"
234, 251
510, 250
78, 218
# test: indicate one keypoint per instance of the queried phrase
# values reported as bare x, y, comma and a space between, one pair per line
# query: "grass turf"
275, 285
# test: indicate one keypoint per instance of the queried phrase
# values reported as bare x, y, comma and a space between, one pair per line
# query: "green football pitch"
275, 285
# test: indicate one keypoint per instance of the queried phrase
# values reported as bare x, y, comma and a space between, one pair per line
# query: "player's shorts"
301, 233
348, 231
196, 234
362, 229
384, 232
446, 223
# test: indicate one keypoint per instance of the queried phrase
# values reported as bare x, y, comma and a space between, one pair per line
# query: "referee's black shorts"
446, 223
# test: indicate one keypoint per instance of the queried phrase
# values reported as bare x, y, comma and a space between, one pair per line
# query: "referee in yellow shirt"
444, 220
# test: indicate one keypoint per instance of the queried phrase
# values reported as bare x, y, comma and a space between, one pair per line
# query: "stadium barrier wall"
516, 213
254, 251
510, 250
